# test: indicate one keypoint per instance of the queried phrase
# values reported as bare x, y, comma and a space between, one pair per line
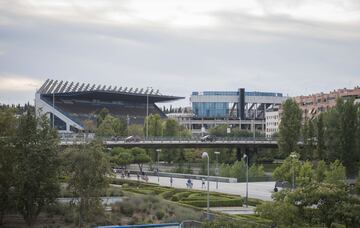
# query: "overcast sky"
296, 47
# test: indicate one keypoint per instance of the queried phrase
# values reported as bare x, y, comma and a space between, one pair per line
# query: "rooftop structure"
234, 104
314, 104
72, 105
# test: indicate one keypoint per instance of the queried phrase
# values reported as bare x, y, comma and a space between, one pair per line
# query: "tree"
101, 116
320, 132
124, 158
87, 168
135, 130
171, 128
140, 157
283, 214
319, 172
154, 125
336, 173
305, 175
111, 126
342, 124
37, 166
348, 136
325, 197
8, 124
289, 128
285, 171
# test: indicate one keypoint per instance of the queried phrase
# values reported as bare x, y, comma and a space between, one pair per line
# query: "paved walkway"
234, 210
257, 190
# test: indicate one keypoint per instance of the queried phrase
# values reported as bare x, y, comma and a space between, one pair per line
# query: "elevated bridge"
164, 142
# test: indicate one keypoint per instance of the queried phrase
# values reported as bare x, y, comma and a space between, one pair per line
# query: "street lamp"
247, 178
206, 155
147, 111
217, 168
158, 151
293, 156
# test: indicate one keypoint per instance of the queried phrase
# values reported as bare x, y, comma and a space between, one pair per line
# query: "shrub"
215, 203
127, 209
159, 214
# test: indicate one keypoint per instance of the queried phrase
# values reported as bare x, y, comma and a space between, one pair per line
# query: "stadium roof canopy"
103, 92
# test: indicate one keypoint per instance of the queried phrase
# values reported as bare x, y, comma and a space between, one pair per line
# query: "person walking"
202, 182
171, 181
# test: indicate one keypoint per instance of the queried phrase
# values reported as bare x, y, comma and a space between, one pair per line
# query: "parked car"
281, 185
208, 138
132, 138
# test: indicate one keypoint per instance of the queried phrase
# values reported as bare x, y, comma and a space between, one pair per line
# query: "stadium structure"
70, 106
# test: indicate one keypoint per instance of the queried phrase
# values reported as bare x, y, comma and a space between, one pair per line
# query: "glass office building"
233, 104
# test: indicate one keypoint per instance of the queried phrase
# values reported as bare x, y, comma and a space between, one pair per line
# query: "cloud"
18, 83
185, 46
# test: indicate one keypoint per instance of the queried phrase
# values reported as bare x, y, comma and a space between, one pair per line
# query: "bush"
127, 209
159, 214
215, 203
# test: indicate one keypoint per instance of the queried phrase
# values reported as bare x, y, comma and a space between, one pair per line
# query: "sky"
296, 47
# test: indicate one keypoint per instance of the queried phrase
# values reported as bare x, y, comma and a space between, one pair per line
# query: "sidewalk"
257, 190
234, 210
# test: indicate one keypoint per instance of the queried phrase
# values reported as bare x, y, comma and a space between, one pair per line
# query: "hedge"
215, 203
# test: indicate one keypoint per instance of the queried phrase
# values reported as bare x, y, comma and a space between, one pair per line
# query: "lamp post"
293, 156
158, 151
247, 179
53, 115
217, 168
147, 112
206, 155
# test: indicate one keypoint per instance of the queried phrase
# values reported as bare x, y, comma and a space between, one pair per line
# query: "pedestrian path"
257, 190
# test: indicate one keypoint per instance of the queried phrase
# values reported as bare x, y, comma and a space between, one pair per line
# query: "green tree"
154, 125
289, 128
326, 197
171, 128
320, 134
341, 139
101, 116
135, 130
111, 126
305, 175
37, 166
283, 214
140, 157
122, 157
87, 168
285, 171
336, 173
320, 171
8, 124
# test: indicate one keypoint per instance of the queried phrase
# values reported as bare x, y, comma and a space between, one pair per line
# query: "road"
257, 190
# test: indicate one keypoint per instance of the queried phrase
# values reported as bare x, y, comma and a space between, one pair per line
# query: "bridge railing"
86, 137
